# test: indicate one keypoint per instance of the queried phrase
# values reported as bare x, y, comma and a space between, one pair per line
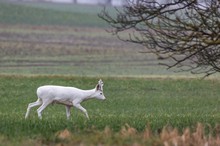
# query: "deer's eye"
100, 93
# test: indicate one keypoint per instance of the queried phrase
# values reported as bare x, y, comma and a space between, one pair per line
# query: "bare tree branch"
186, 32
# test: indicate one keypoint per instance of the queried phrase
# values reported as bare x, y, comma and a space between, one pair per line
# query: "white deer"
68, 96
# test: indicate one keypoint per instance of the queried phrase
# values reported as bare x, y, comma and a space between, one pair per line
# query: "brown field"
26, 49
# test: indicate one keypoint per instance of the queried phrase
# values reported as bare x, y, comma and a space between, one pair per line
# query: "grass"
133, 101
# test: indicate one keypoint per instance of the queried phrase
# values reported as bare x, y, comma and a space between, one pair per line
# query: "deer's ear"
100, 82
97, 87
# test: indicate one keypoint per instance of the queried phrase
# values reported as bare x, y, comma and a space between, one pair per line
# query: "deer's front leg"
68, 112
77, 105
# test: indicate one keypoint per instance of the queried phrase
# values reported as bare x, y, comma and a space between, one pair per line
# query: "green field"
48, 14
132, 101
60, 44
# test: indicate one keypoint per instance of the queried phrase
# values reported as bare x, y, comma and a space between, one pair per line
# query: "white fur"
68, 96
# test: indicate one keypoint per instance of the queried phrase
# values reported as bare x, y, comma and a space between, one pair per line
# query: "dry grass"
130, 136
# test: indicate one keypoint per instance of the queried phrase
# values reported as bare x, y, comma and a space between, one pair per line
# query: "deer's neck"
88, 94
